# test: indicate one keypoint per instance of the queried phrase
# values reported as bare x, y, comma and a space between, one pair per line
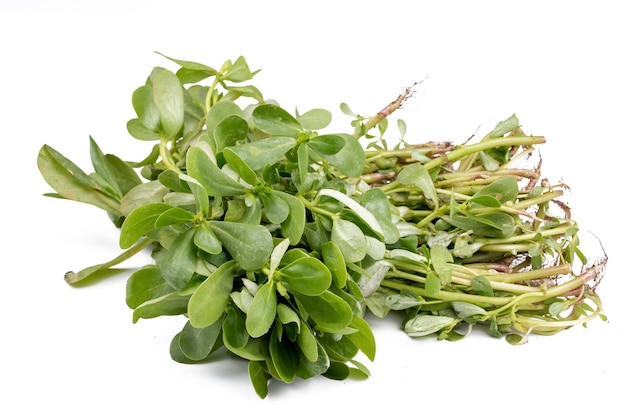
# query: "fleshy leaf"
249, 245
145, 284
139, 222
417, 175
210, 176
350, 240
197, 343
422, 325
258, 154
169, 100
327, 144
208, 302
330, 312
262, 310
307, 276
315, 119
350, 160
275, 121
178, 263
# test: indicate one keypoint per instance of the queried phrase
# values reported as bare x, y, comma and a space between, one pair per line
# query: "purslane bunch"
276, 241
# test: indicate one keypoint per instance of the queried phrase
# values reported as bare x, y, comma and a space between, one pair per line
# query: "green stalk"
498, 244
465, 150
74, 278
447, 296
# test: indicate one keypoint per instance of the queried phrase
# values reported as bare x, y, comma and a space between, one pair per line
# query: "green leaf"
197, 343
199, 193
329, 312
492, 225
146, 284
306, 276
275, 121
487, 201
339, 349
466, 310
432, 286
401, 254
258, 154
441, 259
249, 245
208, 302
504, 189
350, 160
365, 215
308, 344
240, 167
148, 116
402, 127
425, 324
276, 209
190, 65
315, 119
169, 100
416, 175
123, 174
335, 262
302, 154
494, 330
490, 163
234, 92
284, 357
286, 315
210, 176
229, 131
142, 194
349, 239
259, 378
363, 338
400, 301
178, 263
239, 71
234, 328
219, 111
139, 131
327, 144
345, 109
69, 181
293, 225
277, 255
139, 222
375, 201
504, 127
174, 216
482, 286
171, 304
337, 371
102, 168
262, 310
206, 240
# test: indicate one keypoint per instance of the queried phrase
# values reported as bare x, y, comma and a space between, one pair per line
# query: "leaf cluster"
274, 240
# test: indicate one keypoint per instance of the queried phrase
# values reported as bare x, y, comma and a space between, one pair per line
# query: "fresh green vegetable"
275, 240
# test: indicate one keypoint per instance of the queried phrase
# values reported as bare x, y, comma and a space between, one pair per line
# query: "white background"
67, 71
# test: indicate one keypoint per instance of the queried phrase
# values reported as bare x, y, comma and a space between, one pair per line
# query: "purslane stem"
465, 150
384, 113
73, 278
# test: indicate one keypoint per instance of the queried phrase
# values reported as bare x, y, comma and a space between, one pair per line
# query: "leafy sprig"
275, 240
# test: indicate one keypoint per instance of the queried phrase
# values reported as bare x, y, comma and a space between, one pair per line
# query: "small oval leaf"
307, 276
262, 310
209, 301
